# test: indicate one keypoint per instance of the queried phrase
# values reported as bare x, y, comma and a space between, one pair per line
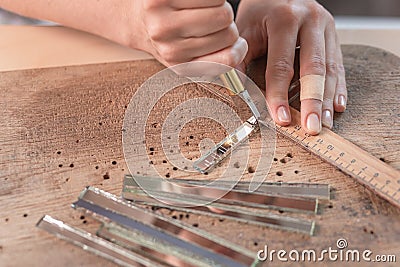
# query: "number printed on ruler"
366, 169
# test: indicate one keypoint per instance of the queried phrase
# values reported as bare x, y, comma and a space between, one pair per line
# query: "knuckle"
151, 4
316, 11
330, 18
340, 69
331, 68
233, 34
315, 65
282, 68
225, 14
286, 14
168, 52
227, 59
156, 31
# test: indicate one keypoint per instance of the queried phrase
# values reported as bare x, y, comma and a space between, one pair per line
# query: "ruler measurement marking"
367, 169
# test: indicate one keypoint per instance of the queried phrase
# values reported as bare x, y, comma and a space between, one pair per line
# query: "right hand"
178, 31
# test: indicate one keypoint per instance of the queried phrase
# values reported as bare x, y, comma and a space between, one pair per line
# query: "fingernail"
239, 51
313, 123
283, 114
327, 120
342, 101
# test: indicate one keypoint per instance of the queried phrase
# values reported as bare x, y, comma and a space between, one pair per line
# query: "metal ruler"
371, 172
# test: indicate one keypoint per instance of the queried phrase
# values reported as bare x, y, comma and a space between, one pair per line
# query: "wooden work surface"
61, 131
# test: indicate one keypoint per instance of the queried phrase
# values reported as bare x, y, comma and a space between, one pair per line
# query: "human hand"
276, 28
177, 31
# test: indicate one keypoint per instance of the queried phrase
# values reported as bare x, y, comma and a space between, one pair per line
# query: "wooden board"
61, 130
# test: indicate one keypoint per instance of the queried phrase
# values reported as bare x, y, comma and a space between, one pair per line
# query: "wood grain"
61, 130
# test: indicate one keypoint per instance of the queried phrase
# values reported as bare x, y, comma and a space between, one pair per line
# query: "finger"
187, 49
331, 75
231, 56
340, 99
203, 21
184, 4
279, 71
312, 62
211, 43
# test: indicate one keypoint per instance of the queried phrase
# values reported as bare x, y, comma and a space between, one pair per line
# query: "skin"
177, 31
276, 28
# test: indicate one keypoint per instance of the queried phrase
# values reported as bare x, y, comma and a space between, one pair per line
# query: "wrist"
132, 31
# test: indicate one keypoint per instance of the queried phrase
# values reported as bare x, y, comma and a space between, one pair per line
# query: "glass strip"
153, 247
158, 187
307, 190
198, 242
208, 161
94, 244
228, 211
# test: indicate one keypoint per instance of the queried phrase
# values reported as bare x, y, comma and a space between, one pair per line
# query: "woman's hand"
276, 28
177, 31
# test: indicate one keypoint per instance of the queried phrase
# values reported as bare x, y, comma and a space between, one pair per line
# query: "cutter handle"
232, 81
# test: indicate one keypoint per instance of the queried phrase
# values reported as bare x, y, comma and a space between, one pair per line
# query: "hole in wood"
251, 169
106, 176
114, 163
279, 173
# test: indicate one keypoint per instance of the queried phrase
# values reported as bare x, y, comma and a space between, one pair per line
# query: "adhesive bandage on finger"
312, 87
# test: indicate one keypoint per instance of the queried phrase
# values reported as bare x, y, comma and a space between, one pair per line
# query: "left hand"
276, 28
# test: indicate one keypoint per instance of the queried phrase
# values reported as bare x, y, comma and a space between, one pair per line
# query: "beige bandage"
312, 87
